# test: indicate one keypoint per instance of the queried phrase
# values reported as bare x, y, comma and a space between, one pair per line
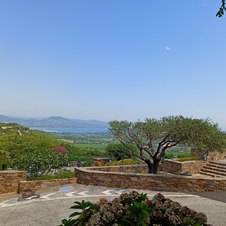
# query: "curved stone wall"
117, 176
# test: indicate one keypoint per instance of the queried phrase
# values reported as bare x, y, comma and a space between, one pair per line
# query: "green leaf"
75, 214
70, 222
82, 205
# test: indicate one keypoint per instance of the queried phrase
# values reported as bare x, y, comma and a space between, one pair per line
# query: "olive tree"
154, 136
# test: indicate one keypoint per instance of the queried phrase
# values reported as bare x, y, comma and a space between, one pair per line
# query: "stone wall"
177, 167
9, 180
43, 184
160, 182
214, 155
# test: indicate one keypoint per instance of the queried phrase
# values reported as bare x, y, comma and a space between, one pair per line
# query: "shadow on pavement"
214, 195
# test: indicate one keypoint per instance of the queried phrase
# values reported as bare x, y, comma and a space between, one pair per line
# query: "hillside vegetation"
22, 148
15, 139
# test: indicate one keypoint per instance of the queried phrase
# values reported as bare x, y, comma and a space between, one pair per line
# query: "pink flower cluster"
3, 156
60, 149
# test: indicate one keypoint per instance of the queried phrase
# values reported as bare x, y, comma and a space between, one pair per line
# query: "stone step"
214, 168
218, 163
210, 174
212, 171
220, 167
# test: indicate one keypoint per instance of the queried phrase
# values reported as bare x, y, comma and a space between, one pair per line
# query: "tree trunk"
152, 167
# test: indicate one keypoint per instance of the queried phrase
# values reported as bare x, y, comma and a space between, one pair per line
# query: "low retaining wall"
108, 177
43, 184
9, 180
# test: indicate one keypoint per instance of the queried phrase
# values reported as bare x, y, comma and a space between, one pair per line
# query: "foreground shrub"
134, 209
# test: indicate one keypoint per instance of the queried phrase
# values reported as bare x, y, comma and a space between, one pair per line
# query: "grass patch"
67, 141
122, 162
190, 158
92, 146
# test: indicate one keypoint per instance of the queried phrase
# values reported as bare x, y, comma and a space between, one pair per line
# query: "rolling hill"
54, 122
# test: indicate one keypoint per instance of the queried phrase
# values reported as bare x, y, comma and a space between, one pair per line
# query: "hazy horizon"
13, 116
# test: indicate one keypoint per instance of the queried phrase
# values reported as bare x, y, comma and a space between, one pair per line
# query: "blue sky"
113, 59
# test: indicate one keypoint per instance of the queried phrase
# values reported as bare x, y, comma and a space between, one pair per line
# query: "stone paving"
53, 204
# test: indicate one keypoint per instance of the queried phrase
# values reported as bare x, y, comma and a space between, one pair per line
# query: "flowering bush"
60, 149
134, 209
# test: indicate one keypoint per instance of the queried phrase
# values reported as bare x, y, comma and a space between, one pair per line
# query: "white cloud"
167, 48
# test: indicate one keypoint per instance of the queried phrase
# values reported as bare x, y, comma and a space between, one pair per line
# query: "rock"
186, 174
28, 195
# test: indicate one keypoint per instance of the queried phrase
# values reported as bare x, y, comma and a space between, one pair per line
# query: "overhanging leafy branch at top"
222, 9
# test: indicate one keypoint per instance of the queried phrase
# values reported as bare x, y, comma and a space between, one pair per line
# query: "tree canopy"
118, 151
154, 136
4, 159
35, 159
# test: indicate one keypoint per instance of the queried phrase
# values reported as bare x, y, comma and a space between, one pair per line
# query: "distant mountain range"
54, 122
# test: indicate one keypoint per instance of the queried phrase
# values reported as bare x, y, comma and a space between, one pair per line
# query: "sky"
113, 59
